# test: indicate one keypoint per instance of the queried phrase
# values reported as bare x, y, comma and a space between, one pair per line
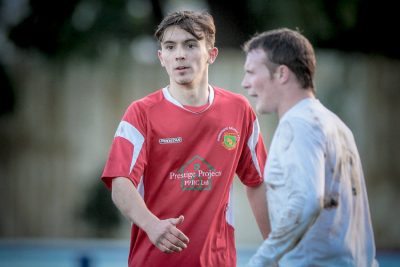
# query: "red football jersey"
183, 162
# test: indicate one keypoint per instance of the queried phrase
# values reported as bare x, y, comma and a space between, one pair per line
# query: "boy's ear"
159, 54
213, 53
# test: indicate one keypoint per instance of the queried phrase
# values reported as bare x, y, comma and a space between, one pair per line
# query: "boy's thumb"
176, 221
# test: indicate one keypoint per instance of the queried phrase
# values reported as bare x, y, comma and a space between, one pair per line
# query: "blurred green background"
69, 69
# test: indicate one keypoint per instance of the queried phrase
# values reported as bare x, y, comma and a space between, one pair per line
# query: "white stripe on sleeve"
130, 133
252, 143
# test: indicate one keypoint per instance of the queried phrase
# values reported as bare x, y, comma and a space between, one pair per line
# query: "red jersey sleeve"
252, 160
127, 156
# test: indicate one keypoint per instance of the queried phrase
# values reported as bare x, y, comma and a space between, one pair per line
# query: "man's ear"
212, 55
283, 73
159, 54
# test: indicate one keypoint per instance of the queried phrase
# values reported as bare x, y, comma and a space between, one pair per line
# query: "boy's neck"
190, 96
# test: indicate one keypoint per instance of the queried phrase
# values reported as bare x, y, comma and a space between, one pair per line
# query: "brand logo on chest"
170, 140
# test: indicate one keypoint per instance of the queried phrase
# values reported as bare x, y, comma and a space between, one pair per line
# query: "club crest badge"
229, 138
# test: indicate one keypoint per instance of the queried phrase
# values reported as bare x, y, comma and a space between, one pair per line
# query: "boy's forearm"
258, 203
130, 203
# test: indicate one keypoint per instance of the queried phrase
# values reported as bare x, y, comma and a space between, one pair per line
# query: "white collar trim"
170, 98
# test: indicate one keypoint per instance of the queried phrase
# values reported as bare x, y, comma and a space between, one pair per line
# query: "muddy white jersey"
316, 194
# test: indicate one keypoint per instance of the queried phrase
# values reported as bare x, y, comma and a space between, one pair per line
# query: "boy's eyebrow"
185, 41
191, 40
168, 42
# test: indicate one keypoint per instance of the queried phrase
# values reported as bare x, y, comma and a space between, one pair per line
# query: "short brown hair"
199, 24
290, 48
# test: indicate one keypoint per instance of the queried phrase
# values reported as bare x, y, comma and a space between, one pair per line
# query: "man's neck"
293, 98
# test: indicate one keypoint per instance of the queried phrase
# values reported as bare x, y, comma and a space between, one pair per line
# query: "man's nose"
245, 84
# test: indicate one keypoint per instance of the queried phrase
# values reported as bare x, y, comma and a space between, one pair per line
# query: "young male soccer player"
175, 154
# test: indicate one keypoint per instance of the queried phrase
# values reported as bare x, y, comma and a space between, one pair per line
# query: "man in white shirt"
316, 192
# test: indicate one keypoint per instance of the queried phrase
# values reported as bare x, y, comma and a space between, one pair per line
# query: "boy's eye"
168, 46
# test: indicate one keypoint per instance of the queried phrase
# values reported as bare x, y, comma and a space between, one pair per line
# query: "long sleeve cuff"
263, 257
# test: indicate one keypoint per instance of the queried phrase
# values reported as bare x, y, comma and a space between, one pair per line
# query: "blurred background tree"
99, 212
57, 28
60, 28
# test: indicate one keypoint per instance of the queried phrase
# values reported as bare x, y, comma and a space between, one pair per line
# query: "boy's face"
184, 57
